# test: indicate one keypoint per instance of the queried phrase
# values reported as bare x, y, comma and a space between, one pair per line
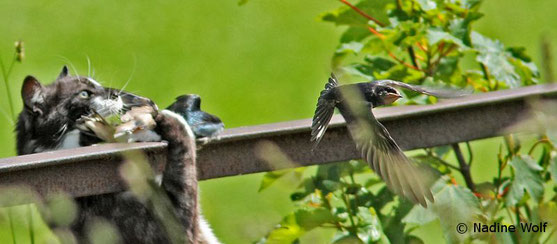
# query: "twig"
12, 230
421, 47
547, 59
402, 61
470, 154
442, 54
362, 13
509, 141
443, 162
464, 167
382, 37
544, 141
375, 32
412, 55
344, 197
5, 75
485, 71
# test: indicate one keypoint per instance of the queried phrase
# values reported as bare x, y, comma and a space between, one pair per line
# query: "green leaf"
470, 3
427, 5
454, 204
432, 161
242, 2
296, 224
331, 185
527, 177
379, 63
346, 16
441, 151
420, 216
460, 28
370, 230
346, 238
350, 47
286, 232
492, 54
400, 72
553, 168
373, 66
519, 53
271, 177
528, 72
354, 33
310, 219
435, 35
329, 172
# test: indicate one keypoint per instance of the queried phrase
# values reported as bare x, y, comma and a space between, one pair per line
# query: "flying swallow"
377, 147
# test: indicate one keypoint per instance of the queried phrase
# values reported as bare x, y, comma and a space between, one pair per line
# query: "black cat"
50, 121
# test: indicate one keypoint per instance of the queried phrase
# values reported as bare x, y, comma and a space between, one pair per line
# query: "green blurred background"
262, 62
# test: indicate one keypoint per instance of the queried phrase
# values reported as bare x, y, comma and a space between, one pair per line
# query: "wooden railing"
94, 170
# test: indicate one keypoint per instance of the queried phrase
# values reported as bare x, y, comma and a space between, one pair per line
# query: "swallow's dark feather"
202, 123
440, 93
355, 103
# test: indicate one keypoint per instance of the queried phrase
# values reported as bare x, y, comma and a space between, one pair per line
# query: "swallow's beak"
391, 98
132, 100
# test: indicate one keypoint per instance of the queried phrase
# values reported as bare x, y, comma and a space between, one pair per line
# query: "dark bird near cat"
355, 103
203, 124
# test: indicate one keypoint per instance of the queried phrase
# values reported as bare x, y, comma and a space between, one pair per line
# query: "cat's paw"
187, 127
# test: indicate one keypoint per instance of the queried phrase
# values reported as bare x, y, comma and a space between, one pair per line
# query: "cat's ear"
32, 93
64, 72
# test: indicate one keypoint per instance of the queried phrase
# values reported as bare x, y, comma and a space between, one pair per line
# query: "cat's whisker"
88, 66
131, 74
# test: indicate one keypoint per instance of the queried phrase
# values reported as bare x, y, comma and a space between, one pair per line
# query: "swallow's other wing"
324, 111
323, 114
386, 158
436, 92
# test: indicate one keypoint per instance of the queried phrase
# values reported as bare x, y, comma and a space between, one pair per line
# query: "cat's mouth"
119, 103
108, 107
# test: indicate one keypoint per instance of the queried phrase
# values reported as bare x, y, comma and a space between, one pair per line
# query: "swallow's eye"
84, 94
383, 93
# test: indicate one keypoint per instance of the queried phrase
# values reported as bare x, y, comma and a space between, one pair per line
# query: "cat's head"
73, 97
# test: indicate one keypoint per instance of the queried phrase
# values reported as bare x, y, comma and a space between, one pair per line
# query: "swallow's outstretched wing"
324, 111
436, 92
385, 157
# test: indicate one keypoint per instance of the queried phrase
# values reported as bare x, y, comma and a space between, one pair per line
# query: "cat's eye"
84, 94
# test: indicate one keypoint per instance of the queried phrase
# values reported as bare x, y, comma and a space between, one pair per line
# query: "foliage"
429, 42
19, 54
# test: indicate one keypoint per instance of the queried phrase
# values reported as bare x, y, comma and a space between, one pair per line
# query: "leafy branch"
425, 42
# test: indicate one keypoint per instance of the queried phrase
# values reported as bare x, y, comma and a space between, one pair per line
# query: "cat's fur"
48, 122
